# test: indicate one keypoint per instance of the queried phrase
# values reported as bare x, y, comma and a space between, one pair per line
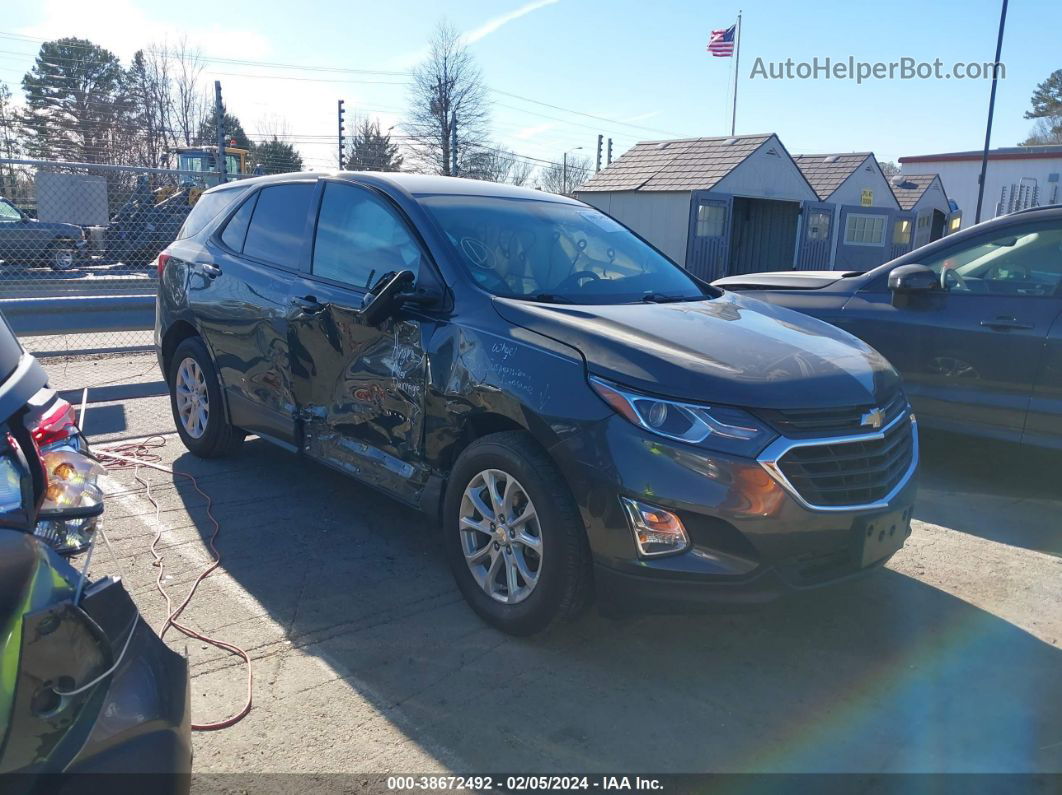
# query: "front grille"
804, 423
850, 473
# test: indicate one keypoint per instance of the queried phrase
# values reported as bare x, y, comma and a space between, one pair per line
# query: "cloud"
488, 27
534, 131
124, 28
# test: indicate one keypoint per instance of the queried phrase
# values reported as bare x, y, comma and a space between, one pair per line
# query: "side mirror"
381, 300
913, 279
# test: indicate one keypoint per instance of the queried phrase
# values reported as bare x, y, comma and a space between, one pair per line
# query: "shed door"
709, 239
816, 231
903, 224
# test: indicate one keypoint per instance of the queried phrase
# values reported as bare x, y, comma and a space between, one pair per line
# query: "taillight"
162, 259
58, 424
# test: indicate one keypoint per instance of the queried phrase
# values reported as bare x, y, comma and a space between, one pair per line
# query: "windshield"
8, 212
554, 251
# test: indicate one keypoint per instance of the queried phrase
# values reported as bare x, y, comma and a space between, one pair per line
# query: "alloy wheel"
501, 537
63, 259
193, 402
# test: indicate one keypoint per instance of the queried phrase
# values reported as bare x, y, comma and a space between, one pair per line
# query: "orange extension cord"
135, 455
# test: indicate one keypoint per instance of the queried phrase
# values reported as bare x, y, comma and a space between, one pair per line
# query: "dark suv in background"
973, 322
578, 410
27, 241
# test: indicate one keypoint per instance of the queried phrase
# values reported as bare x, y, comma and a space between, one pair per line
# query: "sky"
562, 71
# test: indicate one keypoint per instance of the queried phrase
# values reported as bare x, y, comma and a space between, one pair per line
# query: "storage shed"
923, 196
867, 226
718, 206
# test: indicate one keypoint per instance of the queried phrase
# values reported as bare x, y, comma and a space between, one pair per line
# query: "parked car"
972, 321
27, 241
85, 685
579, 411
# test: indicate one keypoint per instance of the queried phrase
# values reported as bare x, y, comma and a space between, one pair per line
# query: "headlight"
721, 428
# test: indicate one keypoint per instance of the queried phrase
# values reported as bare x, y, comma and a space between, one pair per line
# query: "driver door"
970, 353
359, 388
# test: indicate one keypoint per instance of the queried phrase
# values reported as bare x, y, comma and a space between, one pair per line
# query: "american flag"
721, 42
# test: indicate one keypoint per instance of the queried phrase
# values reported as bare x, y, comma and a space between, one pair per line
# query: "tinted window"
277, 225
551, 250
207, 208
236, 228
1023, 261
360, 238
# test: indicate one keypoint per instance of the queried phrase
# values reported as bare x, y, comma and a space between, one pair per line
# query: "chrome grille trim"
770, 457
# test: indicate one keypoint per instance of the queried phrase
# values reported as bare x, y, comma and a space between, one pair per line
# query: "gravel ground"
367, 659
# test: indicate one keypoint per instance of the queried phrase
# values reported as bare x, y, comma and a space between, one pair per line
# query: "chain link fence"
78, 244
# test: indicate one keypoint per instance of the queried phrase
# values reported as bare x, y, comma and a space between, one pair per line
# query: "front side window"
9, 213
1023, 262
555, 251
279, 223
864, 230
359, 238
818, 225
711, 220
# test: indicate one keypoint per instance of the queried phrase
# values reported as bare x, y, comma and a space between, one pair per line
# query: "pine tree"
76, 103
275, 157
372, 150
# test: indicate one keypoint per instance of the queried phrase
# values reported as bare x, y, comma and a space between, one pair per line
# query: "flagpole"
737, 69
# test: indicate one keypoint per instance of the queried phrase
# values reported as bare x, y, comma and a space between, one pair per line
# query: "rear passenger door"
359, 388
239, 295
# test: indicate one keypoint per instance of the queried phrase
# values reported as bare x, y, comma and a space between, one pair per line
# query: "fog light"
656, 531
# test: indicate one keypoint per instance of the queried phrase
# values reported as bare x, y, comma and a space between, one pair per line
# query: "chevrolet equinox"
582, 415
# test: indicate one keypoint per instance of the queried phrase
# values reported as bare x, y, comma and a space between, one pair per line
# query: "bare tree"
555, 178
190, 100
888, 168
448, 103
494, 164
151, 94
521, 172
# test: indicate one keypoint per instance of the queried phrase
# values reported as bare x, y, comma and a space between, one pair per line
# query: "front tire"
62, 256
195, 400
513, 535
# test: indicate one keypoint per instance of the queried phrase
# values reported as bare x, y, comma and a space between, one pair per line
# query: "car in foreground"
579, 412
85, 685
27, 241
972, 321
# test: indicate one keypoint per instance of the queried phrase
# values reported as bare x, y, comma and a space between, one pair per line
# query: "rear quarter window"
210, 206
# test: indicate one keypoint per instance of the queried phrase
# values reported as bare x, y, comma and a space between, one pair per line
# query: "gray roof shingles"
908, 188
685, 164
827, 172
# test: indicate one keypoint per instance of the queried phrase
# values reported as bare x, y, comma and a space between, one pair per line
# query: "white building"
1017, 177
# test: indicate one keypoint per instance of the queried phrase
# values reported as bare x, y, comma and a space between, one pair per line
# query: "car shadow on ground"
998, 491
880, 675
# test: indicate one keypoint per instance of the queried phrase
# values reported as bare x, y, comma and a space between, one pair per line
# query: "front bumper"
752, 539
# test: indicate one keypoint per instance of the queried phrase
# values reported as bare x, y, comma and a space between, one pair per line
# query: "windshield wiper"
661, 298
548, 298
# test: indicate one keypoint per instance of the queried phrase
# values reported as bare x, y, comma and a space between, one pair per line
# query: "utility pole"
219, 118
600, 138
564, 175
609, 161
991, 111
342, 138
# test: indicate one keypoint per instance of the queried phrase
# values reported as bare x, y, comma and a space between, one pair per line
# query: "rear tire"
196, 403
62, 255
519, 574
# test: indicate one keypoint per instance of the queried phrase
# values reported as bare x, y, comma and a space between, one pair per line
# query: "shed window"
923, 222
711, 220
901, 232
818, 225
864, 230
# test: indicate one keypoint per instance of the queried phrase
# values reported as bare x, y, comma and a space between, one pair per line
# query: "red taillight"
57, 424
162, 259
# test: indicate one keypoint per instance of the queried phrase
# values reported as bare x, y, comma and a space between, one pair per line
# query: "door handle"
1005, 324
308, 304
213, 271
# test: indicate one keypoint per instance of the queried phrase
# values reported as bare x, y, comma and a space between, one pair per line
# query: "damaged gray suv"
583, 416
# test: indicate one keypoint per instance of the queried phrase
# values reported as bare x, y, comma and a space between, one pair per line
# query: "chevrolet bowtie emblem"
874, 418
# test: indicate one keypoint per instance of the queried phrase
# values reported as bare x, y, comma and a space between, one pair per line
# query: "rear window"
278, 224
209, 207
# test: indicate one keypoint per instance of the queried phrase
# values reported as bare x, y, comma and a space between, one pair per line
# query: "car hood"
783, 280
732, 349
